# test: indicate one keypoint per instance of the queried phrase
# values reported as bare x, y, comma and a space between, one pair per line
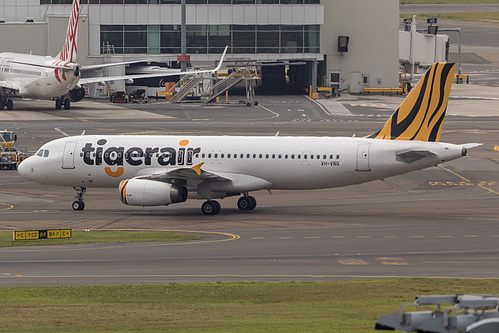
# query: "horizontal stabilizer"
411, 156
471, 145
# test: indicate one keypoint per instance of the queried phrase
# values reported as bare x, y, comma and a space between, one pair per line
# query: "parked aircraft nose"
26, 168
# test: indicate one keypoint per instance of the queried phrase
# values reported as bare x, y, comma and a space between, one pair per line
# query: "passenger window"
46, 153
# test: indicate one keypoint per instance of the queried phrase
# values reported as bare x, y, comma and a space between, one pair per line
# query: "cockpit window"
46, 153
39, 153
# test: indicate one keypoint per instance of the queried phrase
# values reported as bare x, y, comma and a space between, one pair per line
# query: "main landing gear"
79, 204
60, 102
212, 207
6, 103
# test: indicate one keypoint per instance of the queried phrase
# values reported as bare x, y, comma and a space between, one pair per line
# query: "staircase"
184, 86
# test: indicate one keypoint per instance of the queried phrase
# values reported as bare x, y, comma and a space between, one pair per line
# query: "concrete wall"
373, 48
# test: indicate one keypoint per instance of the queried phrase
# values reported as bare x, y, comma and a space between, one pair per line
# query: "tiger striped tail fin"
421, 114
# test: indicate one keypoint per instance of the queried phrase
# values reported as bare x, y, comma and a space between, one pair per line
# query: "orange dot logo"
184, 143
118, 173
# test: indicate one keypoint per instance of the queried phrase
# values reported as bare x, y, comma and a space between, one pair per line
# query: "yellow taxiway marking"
337, 237
311, 237
230, 237
352, 262
284, 237
258, 238
470, 236
481, 184
7, 206
394, 261
416, 236
363, 237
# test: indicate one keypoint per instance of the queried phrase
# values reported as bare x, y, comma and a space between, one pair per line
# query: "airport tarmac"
439, 222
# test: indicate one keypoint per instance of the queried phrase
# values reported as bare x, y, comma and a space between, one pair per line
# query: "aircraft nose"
26, 168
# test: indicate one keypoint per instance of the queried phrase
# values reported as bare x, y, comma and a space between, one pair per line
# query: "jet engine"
77, 94
145, 192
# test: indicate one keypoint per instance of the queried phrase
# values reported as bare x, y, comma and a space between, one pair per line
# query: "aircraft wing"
90, 67
207, 181
194, 173
145, 76
10, 85
40, 65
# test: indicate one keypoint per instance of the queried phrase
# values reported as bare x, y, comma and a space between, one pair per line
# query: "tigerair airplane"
59, 78
163, 170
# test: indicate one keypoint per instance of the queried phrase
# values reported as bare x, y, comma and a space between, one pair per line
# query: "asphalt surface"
439, 222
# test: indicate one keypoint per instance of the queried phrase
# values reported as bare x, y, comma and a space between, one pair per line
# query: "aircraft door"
47, 77
363, 157
68, 156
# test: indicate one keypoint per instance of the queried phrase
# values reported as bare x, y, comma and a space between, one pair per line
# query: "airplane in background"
163, 170
59, 78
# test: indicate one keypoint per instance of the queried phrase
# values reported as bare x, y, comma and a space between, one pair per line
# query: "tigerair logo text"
116, 157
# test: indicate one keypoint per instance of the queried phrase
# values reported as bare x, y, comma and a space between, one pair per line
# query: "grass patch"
491, 17
346, 306
100, 236
433, 2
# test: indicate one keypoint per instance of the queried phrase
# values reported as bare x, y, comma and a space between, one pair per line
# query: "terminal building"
294, 44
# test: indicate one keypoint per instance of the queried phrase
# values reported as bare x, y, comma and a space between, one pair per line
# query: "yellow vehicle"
10, 156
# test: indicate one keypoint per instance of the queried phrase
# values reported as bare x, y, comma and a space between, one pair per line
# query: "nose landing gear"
79, 204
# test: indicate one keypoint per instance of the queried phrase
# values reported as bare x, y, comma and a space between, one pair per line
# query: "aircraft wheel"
2, 104
246, 203
10, 104
58, 104
67, 104
211, 207
78, 205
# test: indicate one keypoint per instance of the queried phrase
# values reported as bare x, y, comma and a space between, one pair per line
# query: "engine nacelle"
77, 94
145, 192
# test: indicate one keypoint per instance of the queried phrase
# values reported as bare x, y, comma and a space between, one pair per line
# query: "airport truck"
10, 156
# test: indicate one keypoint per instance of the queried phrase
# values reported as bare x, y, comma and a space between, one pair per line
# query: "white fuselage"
252, 163
35, 76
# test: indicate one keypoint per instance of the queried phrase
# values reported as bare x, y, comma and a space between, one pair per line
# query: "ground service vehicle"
10, 156
138, 96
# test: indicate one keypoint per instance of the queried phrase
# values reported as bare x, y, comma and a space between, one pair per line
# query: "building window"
177, 2
204, 39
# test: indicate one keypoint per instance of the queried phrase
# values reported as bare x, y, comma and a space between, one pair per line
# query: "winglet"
197, 168
421, 114
221, 60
